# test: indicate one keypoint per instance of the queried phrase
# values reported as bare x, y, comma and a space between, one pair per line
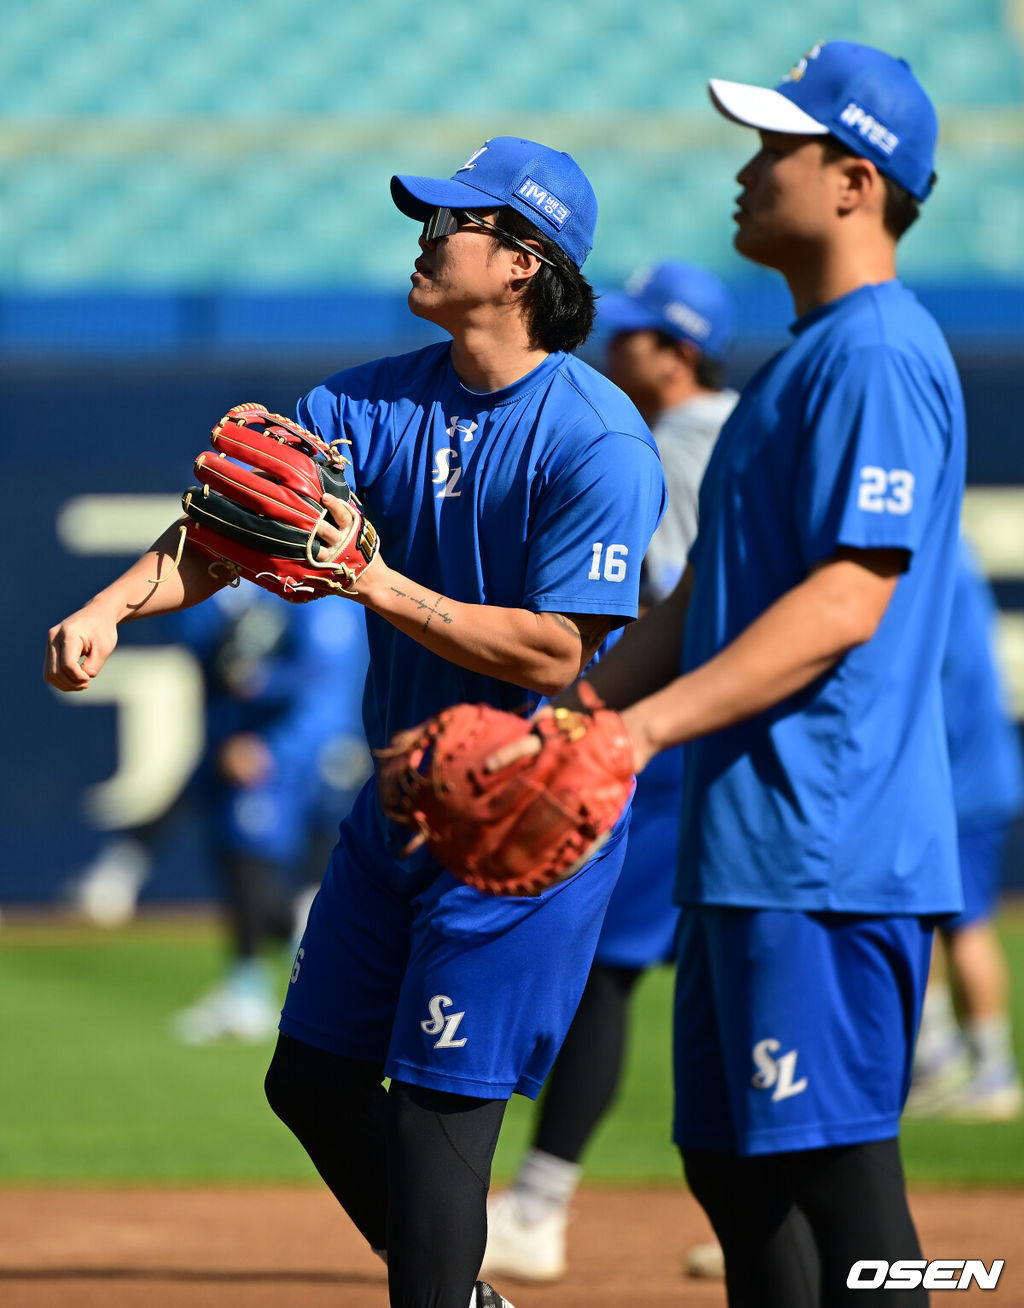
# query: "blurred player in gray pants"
667, 334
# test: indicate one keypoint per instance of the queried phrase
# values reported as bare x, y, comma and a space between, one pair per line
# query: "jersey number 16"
614, 562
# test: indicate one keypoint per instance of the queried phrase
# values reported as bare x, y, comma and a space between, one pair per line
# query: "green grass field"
94, 1090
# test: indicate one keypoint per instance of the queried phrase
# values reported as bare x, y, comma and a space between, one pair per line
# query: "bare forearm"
157, 584
539, 651
800, 637
645, 658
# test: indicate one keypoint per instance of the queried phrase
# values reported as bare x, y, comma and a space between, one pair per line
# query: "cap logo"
687, 320
869, 127
798, 69
544, 202
471, 161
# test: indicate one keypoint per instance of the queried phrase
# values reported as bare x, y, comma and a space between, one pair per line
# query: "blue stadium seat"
252, 140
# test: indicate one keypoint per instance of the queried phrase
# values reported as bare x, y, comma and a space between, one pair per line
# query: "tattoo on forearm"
567, 625
432, 609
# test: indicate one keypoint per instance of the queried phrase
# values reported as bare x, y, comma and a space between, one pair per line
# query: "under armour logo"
443, 1025
462, 427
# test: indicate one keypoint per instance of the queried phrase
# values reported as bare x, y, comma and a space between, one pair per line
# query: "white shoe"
993, 1095
107, 891
225, 1015
705, 1262
529, 1251
935, 1086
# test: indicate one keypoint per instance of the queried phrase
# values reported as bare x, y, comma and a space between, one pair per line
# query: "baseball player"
275, 758
667, 335
967, 1069
515, 491
799, 662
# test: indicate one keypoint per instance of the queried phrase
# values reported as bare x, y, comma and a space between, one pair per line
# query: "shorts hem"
820, 1135
458, 1085
311, 1035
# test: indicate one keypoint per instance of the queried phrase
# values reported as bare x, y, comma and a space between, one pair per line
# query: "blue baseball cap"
869, 100
544, 185
678, 298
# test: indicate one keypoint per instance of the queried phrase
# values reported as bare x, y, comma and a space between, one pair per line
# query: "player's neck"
814, 282
679, 389
488, 359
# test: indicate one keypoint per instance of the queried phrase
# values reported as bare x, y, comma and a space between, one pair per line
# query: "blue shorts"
640, 925
981, 864
794, 1030
445, 987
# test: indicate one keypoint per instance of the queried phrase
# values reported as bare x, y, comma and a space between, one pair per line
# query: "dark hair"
559, 304
901, 210
710, 373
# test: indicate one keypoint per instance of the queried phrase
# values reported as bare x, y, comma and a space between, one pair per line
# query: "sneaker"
705, 1262
994, 1095
533, 1251
106, 893
934, 1088
486, 1296
226, 1015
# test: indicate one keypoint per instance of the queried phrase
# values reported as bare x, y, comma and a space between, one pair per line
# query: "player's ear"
689, 353
859, 185
523, 265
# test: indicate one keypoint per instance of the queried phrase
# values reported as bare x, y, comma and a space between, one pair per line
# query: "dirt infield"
247, 1248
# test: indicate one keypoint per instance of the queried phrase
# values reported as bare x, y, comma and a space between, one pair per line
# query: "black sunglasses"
445, 222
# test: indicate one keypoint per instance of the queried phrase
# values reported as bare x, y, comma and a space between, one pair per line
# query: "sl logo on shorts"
776, 1072
443, 1025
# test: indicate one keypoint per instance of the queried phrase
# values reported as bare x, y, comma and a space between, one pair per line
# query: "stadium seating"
151, 142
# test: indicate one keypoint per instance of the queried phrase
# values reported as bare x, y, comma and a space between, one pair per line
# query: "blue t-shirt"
838, 798
984, 746
540, 496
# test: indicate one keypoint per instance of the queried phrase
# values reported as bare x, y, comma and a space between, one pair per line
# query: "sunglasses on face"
445, 222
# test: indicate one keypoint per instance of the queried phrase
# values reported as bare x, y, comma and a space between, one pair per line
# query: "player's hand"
526, 747
78, 647
244, 760
336, 529
530, 746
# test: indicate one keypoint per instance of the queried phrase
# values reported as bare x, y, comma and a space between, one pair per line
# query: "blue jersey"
838, 798
541, 496
984, 747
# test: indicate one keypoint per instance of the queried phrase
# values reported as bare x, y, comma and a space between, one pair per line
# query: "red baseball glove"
517, 830
260, 502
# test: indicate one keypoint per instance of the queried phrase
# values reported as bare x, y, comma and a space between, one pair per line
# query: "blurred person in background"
964, 1064
667, 335
285, 756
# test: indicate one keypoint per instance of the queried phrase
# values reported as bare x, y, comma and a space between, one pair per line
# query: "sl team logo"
442, 1024
910, 1273
448, 461
796, 73
777, 1074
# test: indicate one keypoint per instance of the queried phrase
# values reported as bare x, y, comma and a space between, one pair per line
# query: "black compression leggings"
583, 1083
410, 1166
792, 1225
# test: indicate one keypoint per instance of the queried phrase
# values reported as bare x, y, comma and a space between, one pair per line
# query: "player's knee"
302, 1082
284, 1090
